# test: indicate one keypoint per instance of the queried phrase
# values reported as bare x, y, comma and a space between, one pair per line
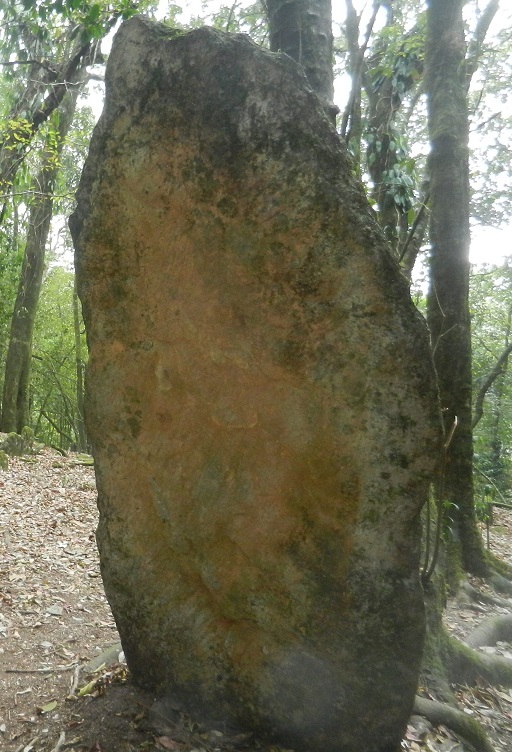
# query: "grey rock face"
260, 399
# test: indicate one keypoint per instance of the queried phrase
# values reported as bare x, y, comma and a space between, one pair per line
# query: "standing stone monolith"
260, 399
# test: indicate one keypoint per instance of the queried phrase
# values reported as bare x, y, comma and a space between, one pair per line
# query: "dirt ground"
54, 620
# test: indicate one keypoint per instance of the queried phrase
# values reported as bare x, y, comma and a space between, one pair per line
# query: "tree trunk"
303, 29
80, 425
351, 128
15, 399
448, 306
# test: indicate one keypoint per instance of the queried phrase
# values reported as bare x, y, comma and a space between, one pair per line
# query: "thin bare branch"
476, 44
495, 373
358, 67
40, 63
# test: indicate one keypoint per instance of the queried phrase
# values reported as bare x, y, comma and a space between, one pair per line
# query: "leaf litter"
54, 619
53, 612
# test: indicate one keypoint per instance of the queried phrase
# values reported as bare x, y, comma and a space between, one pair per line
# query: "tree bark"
351, 123
303, 29
15, 399
448, 304
80, 425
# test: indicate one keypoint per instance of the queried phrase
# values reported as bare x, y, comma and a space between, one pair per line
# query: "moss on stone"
16, 444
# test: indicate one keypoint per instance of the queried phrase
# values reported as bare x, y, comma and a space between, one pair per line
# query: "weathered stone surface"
260, 399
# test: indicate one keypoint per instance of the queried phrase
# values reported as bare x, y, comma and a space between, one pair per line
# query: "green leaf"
88, 688
92, 16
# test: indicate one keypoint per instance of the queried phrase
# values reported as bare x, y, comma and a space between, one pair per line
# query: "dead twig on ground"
61, 740
57, 670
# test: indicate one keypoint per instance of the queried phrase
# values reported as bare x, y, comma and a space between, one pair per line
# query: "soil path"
54, 620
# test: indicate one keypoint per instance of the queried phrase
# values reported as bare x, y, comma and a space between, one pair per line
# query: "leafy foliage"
54, 404
491, 307
38, 19
11, 254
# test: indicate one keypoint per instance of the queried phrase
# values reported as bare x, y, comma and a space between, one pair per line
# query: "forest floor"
54, 620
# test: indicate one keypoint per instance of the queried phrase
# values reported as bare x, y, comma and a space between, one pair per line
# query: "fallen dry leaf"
165, 742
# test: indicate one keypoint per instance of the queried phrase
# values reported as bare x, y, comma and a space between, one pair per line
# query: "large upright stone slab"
260, 399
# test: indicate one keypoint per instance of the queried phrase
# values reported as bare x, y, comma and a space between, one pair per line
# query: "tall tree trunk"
15, 399
303, 29
448, 304
80, 425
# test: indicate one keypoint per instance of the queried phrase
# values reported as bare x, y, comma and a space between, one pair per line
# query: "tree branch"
57, 94
475, 46
39, 194
415, 224
40, 63
359, 53
497, 371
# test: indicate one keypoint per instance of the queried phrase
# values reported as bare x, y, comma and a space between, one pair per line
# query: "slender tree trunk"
497, 461
15, 399
80, 425
351, 128
303, 29
448, 304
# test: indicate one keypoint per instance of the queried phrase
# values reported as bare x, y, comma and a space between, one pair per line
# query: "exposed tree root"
491, 631
473, 595
498, 565
448, 661
466, 666
439, 713
500, 574
499, 583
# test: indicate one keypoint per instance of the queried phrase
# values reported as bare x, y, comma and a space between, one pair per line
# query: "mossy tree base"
491, 631
439, 713
448, 661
